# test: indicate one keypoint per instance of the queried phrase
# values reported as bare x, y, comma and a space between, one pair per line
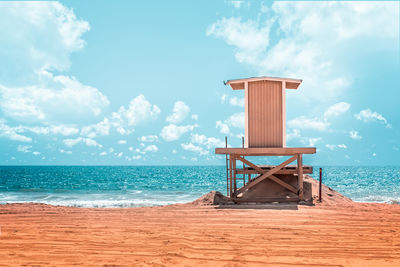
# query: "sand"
330, 234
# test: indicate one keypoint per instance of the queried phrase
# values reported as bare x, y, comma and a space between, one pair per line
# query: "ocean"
136, 186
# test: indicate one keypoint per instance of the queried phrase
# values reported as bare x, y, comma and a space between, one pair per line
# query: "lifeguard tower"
265, 135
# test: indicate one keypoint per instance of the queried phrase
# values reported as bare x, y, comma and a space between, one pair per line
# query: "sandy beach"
354, 234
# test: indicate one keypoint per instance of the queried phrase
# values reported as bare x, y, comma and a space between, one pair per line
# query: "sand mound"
212, 198
329, 196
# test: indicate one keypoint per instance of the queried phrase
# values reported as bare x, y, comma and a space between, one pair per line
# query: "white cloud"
336, 109
65, 151
103, 153
24, 149
179, 112
148, 138
236, 101
202, 144
236, 3
335, 147
222, 127
249, 39
354, 135
86, 141
315, 123
37, 39
136, 157
312, 141
120, 154
194, 148
43, 32
367, 115
11, 133
173, 132
139, 110
36, 153
174, 151
303, 122
151, 148
122, 142
312, 39
195, 117
223, 98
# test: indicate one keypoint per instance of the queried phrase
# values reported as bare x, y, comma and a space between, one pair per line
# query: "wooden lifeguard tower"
265, 135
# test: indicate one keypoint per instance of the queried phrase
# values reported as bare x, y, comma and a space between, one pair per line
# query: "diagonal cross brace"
267, 174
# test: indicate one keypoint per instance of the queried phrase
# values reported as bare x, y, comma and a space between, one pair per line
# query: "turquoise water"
132, 186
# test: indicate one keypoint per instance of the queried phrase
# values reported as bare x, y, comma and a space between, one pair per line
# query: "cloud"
312, 38
194, 148
103, 153
336, 109
46, 33
179, 112
367, 115
86, 141
335, 147
249, 39
195, 117
122, 142
36, 41
139, 110
151, 148
202, 144
236, 3
304, 122
24, 149
319, 124
11, 133
173, 132
236, 101
234, 121
65, 151
354, 135
148, 138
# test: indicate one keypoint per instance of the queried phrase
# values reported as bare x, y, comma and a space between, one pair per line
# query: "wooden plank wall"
265, 118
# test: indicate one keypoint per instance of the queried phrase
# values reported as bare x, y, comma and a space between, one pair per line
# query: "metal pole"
320, 184
244, 175
226, 165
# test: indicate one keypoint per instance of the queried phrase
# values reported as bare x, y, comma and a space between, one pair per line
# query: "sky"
141, 82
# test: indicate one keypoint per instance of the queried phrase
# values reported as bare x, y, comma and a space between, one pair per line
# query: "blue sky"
141, 83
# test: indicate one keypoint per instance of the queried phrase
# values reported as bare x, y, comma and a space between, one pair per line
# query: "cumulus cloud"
122, 142
336, 109
139, 110
234, 121
179, 112
202, 144
194, 148
173, 132
12, 133
367, 115
354, 135
304, 122
151, 148
148, 138
86, 141
335, 147
38, 39
319, 124
309, 32
24, 149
